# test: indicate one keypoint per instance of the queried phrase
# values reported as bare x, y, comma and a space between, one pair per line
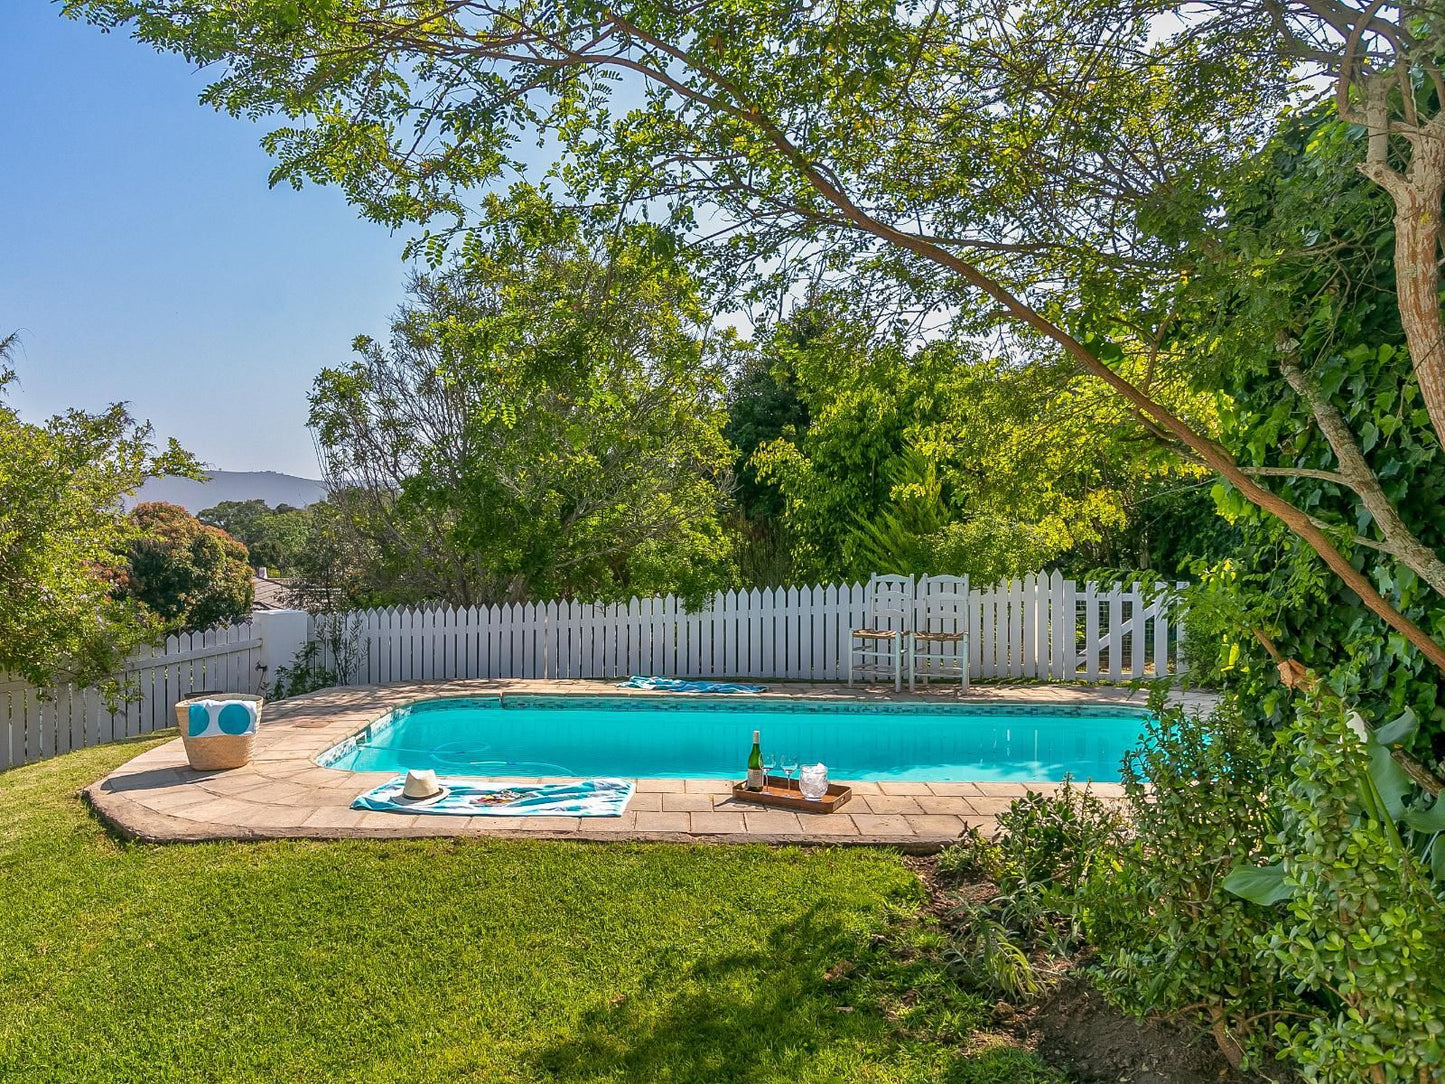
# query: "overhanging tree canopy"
985, 162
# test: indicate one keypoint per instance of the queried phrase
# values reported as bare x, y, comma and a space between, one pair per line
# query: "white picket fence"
35, 724
1042, 627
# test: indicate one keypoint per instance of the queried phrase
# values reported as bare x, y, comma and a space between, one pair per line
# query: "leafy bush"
1053, 840
1357, 922
1269, 893
1170, 940
1043, 841
1044, 847
973, 855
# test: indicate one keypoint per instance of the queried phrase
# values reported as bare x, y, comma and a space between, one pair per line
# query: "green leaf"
1390, 780
1427, 820
1399, 730
1264, 885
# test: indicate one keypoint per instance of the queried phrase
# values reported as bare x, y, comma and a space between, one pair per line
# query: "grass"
472, 960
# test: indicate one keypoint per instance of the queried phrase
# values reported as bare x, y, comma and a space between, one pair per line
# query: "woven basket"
217, 752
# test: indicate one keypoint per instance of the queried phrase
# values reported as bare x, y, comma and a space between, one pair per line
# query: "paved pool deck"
284, 794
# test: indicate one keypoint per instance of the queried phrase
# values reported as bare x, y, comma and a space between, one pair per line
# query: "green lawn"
478, 961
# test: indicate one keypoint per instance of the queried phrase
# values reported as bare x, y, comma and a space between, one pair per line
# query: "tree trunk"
1418, 195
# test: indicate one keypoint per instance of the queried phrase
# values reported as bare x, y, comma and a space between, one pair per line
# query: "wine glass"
770, 766
790, 765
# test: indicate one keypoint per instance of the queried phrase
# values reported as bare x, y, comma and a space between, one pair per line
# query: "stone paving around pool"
284, 793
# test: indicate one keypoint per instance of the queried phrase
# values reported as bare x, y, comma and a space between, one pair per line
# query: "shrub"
1051, 841
974, 855
1170, 941
1361, 929
1043, 849
1044, 842
1280, 895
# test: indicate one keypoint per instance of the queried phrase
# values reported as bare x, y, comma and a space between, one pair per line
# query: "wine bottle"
755, 764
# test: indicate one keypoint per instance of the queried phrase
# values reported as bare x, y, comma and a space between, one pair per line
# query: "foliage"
1300, 273
1267, 893
190, 575
275, 538
336, 563
1356, 919
974, 855
1045, 847
936, 459
546, 421
392, 946
765, 404
1029, 176
1170, 939
1054, 839
989, 956
61, 537
741, 109
883, 152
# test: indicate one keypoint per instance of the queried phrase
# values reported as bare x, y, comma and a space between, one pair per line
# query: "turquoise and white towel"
210, 718
678, 685
488, 798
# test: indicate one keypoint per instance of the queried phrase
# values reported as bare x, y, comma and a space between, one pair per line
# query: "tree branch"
1355, 473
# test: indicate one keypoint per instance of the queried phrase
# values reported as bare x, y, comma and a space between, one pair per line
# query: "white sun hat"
421, 785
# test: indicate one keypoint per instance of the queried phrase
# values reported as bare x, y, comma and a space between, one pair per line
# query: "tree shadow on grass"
772, 1014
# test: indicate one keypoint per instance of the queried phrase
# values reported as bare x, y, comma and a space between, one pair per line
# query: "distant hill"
231, 485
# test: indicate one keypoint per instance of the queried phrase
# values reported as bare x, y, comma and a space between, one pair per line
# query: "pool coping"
284, 794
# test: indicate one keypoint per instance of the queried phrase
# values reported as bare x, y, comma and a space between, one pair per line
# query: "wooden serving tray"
777, 792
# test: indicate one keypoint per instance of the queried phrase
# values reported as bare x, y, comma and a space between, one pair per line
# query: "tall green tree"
188, 574
63, 536
275, 538
945, 459
545, 420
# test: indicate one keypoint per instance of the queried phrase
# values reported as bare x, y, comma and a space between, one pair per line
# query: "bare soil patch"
1076, 1030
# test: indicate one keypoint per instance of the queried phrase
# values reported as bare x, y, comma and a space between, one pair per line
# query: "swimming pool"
709, 738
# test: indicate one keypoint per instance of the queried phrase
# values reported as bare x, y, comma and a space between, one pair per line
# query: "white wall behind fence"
1042, 626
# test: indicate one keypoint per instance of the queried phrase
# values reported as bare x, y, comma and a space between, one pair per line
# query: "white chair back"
890, 602
942, 604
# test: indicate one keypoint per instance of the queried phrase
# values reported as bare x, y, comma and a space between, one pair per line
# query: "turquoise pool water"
709, 738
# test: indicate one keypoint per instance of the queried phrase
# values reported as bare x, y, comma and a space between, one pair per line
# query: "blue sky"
143, 257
